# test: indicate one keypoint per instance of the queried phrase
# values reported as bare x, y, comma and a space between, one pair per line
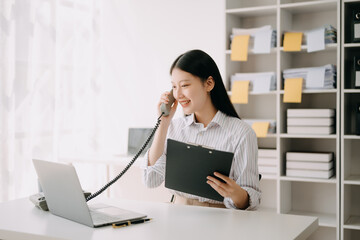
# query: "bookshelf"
280, 193
350, 142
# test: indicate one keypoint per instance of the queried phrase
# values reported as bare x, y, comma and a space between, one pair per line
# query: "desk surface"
19, 219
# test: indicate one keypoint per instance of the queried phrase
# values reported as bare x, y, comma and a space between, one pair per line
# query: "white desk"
19, 219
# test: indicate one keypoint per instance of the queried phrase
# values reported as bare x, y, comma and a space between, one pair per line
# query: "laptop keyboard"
99, 218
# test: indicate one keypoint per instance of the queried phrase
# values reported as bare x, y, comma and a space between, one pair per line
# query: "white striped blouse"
223, 133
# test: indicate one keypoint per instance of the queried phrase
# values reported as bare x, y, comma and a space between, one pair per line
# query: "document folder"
355, 28
356, 72
188, 165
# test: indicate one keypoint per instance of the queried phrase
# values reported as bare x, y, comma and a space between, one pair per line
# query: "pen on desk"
128, 223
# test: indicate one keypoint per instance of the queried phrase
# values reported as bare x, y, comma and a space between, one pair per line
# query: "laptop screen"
137, 138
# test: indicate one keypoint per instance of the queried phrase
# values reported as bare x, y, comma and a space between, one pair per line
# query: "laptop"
65, 198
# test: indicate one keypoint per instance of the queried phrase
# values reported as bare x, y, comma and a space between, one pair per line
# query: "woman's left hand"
229, 188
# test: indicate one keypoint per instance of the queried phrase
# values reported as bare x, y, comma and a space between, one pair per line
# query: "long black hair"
201, 65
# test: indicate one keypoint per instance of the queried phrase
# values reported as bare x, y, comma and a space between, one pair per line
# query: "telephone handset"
165, 108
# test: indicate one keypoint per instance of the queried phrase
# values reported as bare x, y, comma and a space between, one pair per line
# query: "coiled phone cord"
129, 164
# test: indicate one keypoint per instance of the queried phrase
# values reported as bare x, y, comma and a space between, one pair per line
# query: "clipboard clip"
198, 145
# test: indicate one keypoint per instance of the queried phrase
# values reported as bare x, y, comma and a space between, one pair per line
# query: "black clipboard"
188, 165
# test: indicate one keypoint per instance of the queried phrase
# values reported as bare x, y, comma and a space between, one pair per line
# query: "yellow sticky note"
261, 128
293, 90
239, 48
292, 41
240, 92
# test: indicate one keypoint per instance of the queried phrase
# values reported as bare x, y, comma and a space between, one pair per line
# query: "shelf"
352, 180
350, 45
252, 11
271, 135
251, 93
300, 179
312, 91
285, 135
328, 47
313, 6
355, 137
325, 220
351, 90
316, 197
251, 52
353, 222
349, 141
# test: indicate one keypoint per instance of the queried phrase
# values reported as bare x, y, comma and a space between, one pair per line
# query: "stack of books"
310, 121
257, 35
330, 34
261, 82
267, 162
323, 77
310, 164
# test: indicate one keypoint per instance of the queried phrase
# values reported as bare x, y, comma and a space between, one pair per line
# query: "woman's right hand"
165, 99
157, 146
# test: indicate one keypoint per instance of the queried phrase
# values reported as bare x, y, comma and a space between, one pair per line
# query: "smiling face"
192, 93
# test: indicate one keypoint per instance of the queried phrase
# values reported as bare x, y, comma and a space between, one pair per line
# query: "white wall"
141, 39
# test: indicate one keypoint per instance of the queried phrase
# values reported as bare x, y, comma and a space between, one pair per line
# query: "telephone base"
39, 200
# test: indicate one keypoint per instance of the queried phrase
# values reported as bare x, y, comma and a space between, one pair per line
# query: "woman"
211, 120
